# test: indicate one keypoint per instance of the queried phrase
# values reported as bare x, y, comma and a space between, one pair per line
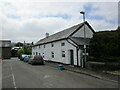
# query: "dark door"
71, 57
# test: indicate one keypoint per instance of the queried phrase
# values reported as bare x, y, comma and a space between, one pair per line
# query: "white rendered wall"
57, 49
80, 32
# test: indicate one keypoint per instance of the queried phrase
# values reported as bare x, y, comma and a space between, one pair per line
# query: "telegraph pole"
84, 61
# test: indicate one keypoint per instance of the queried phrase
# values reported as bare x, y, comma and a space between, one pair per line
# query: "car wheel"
42, 63
31, 63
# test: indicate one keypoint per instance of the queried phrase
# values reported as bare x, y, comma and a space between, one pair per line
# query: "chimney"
47, 35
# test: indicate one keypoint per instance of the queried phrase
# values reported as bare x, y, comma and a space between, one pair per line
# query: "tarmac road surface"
18, 74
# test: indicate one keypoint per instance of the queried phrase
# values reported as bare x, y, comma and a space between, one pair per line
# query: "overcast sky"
29, 20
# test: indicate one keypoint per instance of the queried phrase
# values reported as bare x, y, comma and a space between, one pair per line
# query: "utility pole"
84, 61
24, 47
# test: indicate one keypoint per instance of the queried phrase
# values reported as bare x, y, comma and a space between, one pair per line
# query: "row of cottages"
65, 46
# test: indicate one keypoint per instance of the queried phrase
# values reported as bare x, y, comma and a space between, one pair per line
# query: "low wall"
102, 66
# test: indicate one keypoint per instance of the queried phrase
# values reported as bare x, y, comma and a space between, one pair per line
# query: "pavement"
18, 74
96, 74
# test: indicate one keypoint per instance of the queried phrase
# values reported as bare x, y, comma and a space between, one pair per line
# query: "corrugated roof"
60, 35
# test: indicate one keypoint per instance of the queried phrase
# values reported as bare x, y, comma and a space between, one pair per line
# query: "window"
33, 47
63, 44
39, 53
43, 55
52, 45
36, 53
44, 46
39, 46
52, 54
63, 53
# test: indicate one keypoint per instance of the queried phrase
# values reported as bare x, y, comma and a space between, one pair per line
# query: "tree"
118, 36
20, 51
105, 44
19, 44
13, 53
25, 50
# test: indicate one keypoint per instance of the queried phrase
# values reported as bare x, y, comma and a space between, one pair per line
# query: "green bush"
105, 44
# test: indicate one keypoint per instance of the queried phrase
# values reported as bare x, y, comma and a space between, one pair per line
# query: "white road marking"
46, 76
13, 78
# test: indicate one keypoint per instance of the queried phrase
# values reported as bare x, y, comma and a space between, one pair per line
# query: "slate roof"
79, 40
61, 35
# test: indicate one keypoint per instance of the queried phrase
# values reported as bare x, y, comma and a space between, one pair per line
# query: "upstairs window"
33, 47
52, 54
44, 46
63, 44
43, 55
39, 46
36, 53
63, 53
52, 45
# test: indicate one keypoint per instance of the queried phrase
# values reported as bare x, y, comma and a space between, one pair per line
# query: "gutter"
48, 42
71, 43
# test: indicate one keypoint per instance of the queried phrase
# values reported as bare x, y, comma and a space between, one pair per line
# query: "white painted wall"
80, 32
57, 49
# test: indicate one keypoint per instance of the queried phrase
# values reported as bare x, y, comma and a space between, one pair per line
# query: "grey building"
5, 49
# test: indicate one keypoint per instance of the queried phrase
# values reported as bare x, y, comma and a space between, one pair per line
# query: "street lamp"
84, 61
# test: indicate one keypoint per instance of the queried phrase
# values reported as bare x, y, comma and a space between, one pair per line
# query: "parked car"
26, 58
36, 59
22, 57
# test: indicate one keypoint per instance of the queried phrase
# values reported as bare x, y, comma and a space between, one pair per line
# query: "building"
5, 49
65, 46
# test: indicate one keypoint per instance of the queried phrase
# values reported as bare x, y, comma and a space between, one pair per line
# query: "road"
18, 74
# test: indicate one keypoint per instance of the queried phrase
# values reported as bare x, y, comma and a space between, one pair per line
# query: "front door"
71, 57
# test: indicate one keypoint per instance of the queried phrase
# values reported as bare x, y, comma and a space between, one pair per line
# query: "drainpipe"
77, 55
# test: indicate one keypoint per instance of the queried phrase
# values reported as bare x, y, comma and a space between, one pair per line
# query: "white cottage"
65, 46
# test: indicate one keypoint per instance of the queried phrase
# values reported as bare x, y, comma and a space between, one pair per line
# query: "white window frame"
63, 53
52, 55
62, 43
52, 44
